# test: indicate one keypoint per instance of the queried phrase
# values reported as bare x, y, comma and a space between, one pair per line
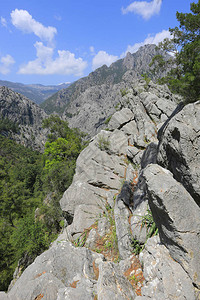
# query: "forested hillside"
31, 185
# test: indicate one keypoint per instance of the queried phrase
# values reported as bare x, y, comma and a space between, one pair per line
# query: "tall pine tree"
184, 77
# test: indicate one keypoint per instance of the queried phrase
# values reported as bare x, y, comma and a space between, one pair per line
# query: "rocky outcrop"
118, 180
97, 84
27, 115
179, 148
165, 278
177, 216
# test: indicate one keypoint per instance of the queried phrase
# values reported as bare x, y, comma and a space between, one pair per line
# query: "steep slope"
138, 63
35, 92
93, 257
26, 114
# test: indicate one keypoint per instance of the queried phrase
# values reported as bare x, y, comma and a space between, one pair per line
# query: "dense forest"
31, 185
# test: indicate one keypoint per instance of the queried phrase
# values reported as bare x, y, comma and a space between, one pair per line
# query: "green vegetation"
8, 126
148, 222
184, 74
123, 92
31, 185
107, 120
147, 80
103, 143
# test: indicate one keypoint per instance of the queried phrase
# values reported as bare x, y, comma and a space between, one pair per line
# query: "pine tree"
184, 76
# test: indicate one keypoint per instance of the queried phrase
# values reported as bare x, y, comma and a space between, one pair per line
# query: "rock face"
26, 114
123, 174
179, 149
177, 216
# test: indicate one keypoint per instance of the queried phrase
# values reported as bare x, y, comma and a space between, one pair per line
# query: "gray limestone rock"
164, 278
179, 148
139, 230
112, 284
121, 214
103, 226
149, 156
120, 118
55, 271
84, 216
126, 194
177, 217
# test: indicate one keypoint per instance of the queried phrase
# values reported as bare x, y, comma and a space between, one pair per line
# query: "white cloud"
144, 8
103, 58
3, 22
22, 20
65, 63
159, 37
5, 63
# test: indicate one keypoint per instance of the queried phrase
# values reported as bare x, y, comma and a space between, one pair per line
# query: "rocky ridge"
124, 171
27, 115
69, 101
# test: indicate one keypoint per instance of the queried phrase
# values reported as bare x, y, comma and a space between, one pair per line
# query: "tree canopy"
31, 185
184, 48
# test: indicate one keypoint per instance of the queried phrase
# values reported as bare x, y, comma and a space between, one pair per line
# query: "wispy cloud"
92, 51
3, 22
58, 17
103, 58
144, 8
65, 63
157, 38
22, 20
5, 64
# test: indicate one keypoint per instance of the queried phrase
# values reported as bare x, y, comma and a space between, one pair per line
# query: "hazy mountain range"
35, 92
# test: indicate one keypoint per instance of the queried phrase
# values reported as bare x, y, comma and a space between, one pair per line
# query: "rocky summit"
147, 160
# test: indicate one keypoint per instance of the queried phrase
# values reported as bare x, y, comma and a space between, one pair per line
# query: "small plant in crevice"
107, 120
151, 229
103, 143
81, 240
149, 223
147, 80
123, 92
108, 244
137, 246
117, 106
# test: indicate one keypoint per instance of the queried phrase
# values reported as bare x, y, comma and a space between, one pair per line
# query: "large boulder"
177, 217
179, 148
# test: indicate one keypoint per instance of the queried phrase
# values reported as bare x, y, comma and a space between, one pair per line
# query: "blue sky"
51, 42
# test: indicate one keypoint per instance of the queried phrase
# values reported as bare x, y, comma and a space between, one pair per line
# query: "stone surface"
165, 278
126, 194
121, 214
179, 148
55, 271
139, 230
177, 217
112, 284
120, 118
149, 156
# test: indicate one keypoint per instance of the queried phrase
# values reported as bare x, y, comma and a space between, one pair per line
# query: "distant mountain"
35, 92
28, 117
137, 63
